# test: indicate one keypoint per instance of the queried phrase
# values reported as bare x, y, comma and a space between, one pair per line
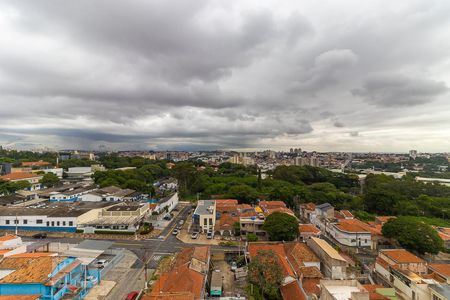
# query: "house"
51, 277
186, 279
406, 272
444, 233
399, 259
167, 203
32, 178
381, 220
442, 270
342, 290
333, 264
252, 221
322, 216
306, 209
295, 259
265, 205
351, 232
307, 231
204, 216
227, 214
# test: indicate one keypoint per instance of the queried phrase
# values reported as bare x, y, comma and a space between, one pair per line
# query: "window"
353, 240
53, 223
25, 222
413, 295
205, 221
57, 223
16, 221
38, 221
64, 223
70, 223
210, 221
48, 223
436, 297
7, 222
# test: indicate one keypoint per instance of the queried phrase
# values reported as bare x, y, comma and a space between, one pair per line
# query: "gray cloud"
212, 74
398, 90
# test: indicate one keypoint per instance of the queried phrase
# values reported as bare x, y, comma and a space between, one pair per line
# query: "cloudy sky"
213, 74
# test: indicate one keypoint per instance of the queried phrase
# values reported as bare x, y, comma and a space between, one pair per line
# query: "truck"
216, 284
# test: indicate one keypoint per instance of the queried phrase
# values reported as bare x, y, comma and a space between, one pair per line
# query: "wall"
46, 224
351, 239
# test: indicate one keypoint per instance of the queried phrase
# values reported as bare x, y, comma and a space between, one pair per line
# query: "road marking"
125, 244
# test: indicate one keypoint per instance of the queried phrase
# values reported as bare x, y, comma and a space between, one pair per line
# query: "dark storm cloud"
221, 74
398, 90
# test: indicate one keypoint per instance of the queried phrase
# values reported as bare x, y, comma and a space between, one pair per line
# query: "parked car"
40, 236
194, 235
175, 231
181, 222
132, 295
101, 263
209, 235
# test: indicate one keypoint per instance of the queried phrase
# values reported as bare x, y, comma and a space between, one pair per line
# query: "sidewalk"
99, 292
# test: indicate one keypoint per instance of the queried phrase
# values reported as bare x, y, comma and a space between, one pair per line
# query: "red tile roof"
441, 269
384, 219
309, 206
225, 202
35, 163
355, 225
21, 297
284, 210
19, 176
402, 256
292, 291
271, 204
373, 295
311, 285
181, 282
308, 228
278, 249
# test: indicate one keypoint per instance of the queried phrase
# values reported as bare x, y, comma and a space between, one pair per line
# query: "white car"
175, 231
194, 235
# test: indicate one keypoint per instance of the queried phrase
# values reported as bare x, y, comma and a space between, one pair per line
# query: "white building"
204, 216
31, 178
167, 203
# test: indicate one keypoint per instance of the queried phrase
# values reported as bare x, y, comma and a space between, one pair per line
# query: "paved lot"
126, 277
99, 292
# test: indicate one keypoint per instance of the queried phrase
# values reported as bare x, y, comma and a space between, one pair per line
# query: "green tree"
251, 237
243, 192
413, 235
265, 271
50, 180
281, 227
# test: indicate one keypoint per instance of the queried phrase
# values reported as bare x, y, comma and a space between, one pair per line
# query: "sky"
355, 76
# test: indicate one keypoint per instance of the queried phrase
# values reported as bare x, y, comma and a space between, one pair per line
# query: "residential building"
307, 231
167, 203
306, 210
407, 273
351, 232
12, 199
187, 279
333, 265
342, 290
5, 168
204, 216
51, 277
31, 178
299, 265
441, 270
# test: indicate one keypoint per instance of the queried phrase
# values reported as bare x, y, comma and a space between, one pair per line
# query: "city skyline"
240, 75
